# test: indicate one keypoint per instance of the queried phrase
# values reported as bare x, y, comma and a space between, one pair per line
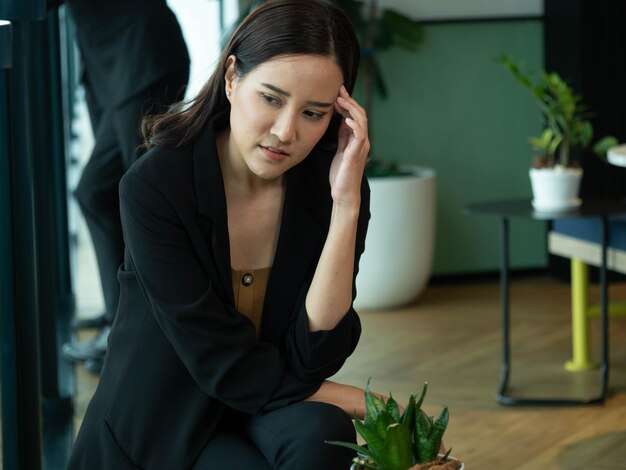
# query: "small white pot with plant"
555, 175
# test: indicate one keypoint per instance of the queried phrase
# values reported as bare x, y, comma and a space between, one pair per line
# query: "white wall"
200, 22
424, 10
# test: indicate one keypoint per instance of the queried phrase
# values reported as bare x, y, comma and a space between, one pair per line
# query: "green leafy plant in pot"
555, 174
395, 440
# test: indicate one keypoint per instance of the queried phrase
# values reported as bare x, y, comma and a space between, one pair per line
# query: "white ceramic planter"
555, 189
397, 262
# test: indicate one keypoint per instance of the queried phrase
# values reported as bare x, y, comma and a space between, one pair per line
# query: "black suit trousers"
288, 438
117, 145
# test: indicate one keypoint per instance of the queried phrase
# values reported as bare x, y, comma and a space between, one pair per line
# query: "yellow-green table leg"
580, 322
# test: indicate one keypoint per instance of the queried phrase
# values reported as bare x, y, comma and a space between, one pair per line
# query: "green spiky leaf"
430, 449
392, 408
357, 448
398, 454
375, 443
408, 417
373, 405
383, 421
418, 404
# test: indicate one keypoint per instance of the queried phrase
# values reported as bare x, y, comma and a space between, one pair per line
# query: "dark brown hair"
276, 28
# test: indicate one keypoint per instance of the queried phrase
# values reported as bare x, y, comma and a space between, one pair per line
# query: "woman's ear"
230, 76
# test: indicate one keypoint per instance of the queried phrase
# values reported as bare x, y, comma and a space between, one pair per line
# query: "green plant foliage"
377, 168
397, 30
391, 29
566, 118
603, 145
395, 440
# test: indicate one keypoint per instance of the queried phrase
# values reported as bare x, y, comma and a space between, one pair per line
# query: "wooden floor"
451, 338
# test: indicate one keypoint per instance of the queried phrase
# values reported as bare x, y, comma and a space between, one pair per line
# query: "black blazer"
127, 45
179, 352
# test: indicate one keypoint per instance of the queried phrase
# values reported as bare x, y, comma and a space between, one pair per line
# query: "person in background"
135, 63
244, 224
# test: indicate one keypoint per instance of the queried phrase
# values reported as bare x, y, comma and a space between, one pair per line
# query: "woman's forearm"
350, 399
347, 397
330, 295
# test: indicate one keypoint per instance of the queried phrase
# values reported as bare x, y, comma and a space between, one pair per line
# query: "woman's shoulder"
162, 163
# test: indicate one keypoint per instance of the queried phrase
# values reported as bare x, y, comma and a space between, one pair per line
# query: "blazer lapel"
298, 239
209, 187
298, 243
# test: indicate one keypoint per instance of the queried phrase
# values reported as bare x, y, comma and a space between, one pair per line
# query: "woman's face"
279, 111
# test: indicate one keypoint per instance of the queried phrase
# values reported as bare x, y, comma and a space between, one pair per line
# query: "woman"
243, 227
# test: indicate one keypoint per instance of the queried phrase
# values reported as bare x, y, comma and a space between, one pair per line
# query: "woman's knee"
295, 437
323, 422
229, 450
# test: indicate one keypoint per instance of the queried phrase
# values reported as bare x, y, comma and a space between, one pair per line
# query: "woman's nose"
285, 126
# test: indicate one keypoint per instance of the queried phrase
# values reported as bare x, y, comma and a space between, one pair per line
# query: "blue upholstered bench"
580, 240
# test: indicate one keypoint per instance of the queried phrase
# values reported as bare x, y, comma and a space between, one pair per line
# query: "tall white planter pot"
398, 257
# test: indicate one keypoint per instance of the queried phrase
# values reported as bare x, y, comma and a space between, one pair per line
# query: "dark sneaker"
92, 349
94, 365
94, 322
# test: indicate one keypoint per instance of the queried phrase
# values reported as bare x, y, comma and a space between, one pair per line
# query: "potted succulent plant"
395, 440
555, 175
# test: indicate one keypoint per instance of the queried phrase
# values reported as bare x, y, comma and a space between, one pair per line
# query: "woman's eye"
314, 115
270, 99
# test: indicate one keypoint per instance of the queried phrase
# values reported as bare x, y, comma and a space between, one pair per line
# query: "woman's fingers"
354, 115
348, 106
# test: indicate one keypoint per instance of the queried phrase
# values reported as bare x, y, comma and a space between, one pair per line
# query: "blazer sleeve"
315, 356
216, 344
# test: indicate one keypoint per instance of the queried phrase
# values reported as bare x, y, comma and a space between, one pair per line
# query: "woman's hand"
330, 296
350, 399
347, 397
346, 170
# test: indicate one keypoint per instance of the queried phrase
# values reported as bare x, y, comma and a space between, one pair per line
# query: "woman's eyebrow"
319, 104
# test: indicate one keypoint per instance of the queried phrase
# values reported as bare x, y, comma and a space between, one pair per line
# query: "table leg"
503, 397
604, 305
505, 301
580, 321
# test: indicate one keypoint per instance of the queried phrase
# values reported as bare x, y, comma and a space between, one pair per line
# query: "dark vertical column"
21, 407
53, 281
8, 359
58, 134
35, 288
585, 43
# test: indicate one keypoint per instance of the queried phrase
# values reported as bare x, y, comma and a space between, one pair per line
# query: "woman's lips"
274, 153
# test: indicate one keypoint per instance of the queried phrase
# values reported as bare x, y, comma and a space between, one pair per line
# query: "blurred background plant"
567, 126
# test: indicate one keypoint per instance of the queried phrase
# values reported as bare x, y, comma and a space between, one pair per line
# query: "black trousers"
117, 146
291, 438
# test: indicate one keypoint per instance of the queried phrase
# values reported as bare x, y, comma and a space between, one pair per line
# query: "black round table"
522, 208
